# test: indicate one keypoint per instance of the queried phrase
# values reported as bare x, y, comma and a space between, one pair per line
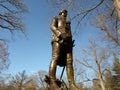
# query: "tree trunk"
101, 81
117, 6
102, 84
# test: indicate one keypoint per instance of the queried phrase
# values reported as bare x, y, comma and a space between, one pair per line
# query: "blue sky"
34, 52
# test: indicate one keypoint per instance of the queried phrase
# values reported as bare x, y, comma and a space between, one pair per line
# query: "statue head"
63, 12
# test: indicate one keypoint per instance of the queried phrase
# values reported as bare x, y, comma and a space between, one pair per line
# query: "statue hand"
63, 35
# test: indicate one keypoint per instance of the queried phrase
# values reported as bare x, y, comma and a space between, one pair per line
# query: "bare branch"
117, 7
4, 62
80, 22
88, 10
6, 8
105, 29
10, 15
86, 64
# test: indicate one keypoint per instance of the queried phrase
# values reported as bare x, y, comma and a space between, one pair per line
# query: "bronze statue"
62, 45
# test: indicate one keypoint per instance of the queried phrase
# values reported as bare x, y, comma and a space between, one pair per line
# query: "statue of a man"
62, 45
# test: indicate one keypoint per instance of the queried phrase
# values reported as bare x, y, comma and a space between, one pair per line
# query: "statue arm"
54, 27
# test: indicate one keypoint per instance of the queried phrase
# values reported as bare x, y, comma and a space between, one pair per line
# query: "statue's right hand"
63, 35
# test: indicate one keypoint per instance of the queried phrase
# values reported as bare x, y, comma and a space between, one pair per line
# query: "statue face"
64, 14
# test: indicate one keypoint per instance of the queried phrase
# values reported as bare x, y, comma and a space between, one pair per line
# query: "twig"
87, 10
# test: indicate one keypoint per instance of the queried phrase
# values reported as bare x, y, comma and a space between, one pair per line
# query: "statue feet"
54, 86
52, 83
73, 87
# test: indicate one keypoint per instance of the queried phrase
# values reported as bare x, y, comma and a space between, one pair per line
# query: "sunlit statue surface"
62, 45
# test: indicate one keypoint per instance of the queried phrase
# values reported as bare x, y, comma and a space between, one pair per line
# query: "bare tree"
4, 62
78, 69
10, 14
38, 78
19, 81
109, 24
10, 19
96, 58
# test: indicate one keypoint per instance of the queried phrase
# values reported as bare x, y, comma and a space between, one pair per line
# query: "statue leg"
53, 65
70, 72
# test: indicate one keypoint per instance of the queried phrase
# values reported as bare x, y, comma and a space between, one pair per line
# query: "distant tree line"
110, 78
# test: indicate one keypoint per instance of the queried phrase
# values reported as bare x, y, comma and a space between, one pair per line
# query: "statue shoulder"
68, 21
55, 18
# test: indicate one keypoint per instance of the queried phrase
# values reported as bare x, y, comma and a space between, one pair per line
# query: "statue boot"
53, 85
52, 76
70, 76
